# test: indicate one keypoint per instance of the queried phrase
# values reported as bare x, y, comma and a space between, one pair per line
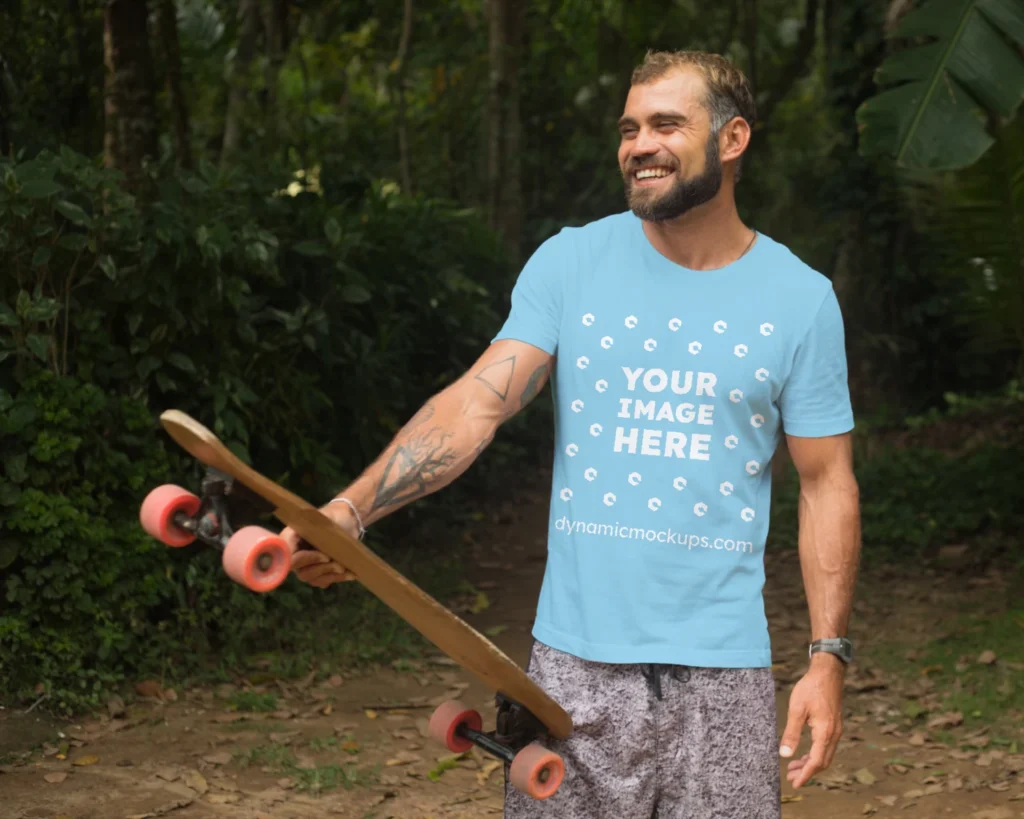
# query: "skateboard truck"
253, 556
531, 767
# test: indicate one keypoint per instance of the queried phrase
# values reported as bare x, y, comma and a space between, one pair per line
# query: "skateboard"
261, 560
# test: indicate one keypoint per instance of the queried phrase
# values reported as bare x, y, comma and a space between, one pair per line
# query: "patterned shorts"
658, 742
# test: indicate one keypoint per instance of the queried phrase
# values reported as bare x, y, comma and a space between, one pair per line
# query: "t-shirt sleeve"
536, 312
815, 400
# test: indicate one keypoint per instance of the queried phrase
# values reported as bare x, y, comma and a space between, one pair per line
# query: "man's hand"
817, 700
316, 568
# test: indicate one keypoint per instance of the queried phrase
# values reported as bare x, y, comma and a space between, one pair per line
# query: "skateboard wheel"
158, 511
536, 771
446, 720
257, 559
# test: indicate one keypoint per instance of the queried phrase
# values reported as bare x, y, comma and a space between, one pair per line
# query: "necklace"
750, 244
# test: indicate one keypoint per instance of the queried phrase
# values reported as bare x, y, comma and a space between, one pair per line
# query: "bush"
304, 330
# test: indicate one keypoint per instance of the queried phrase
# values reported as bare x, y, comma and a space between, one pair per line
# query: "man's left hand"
816, 700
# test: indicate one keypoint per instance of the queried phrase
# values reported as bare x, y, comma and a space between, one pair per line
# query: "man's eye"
628, 132
666, 125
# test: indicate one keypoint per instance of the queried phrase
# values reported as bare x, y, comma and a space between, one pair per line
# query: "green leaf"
71, 211
934, 114
147, 367
15, 465
43, 310
355, 294
42, 255
8, 551
309, 248
333, 231
182, 362
39, 345
74, 241
40, 188
9, 494
165, 382
106, 264
24, 303
7, 316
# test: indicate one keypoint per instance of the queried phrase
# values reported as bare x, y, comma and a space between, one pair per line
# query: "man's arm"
437, 445
443, 439
829, 542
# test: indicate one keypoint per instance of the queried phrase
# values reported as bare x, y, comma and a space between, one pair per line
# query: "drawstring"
653, 672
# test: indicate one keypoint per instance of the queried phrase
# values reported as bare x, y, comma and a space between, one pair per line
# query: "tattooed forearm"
534, 385
417, 462
498, 376
426, 412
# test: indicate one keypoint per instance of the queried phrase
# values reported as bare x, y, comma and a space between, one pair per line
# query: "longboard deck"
455, 637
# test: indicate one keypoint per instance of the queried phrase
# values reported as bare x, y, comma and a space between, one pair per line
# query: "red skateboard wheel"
159, 508
537, 772
257, 559
446, 720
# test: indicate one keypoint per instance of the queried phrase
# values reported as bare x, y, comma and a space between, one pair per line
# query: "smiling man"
682, 345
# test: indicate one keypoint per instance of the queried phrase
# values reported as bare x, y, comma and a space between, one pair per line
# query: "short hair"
729, 92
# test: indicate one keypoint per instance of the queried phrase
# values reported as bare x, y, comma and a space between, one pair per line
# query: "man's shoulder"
790, 271
607, 227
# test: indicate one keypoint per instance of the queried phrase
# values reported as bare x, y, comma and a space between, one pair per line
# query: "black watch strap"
840, 646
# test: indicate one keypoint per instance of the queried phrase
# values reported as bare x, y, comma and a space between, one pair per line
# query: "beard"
684, 195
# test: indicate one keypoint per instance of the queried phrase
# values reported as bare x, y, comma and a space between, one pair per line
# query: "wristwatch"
840, 646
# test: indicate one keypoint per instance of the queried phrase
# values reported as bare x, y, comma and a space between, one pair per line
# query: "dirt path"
332, 747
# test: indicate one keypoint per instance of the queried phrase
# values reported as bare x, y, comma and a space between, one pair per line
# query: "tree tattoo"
534, 385
415, 464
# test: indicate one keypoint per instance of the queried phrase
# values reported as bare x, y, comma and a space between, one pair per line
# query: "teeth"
652, 173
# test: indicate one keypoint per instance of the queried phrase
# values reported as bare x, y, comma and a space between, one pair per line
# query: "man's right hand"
314, 567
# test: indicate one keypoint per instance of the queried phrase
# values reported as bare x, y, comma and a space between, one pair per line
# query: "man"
682, 345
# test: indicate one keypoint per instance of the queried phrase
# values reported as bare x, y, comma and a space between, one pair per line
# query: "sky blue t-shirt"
672, 389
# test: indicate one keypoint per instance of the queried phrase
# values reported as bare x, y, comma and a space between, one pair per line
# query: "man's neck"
705, 238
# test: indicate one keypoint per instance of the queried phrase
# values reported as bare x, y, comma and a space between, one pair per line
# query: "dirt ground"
354, 746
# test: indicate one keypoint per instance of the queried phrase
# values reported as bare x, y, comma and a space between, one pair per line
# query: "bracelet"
359, 520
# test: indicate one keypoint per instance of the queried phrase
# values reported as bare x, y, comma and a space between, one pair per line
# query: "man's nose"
645, 144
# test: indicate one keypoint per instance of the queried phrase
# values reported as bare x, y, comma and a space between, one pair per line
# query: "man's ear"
733, 139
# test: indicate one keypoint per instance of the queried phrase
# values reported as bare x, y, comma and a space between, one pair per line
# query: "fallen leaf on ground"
865, 777
987, 657
403, 758
792, 798
335, 681
948, 720
55, 778
993, 813
222, 798
148, 688
222, 758
115, 707
82, 761
370, 713
918, 738
869, 809
196, 781
888, 801
485, 773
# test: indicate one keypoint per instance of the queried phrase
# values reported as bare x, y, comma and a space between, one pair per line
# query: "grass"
986, 694
280, 759
252, 702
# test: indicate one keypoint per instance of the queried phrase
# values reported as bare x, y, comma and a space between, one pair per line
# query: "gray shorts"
658, 742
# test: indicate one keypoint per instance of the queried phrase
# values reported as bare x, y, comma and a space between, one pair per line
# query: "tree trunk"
504, 129
130, 134
751, 38
404, 162
6, 147
249, 17
175, 94
275, 24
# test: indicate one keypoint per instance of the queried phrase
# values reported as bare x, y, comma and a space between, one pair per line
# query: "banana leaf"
962, 65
